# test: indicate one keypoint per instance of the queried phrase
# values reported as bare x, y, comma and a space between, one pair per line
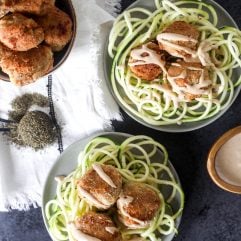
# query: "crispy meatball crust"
26, 67
147, 71
92, 183
143, 206
182, 28
37, 7
95, 224
192, 76
20, 33
3, 49
57, 27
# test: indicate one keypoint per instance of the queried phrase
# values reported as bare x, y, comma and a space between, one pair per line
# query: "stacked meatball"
136, 204
179, 59
30, 31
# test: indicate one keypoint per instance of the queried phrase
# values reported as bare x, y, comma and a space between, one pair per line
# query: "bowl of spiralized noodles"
137, 158
160, 103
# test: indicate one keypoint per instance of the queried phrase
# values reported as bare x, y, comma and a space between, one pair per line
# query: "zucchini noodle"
134, 159
150, 101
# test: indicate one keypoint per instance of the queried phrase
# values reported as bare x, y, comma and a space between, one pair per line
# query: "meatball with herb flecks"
20, 33
37, 7
100, 186
146, 61
99, 226
27, 66
137, 205
57, 27
192, 78
179, 39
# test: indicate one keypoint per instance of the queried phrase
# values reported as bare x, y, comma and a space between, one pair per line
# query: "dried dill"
13, 134
30, 128
36, 130
21, 104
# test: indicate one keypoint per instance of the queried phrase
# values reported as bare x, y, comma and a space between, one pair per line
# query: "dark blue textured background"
210, 214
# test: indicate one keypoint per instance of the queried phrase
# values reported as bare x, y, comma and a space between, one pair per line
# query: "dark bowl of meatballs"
36, 37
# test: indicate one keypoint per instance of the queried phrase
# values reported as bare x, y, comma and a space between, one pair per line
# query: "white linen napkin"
82, 103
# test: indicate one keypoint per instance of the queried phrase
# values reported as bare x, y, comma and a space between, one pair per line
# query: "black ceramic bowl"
59, 57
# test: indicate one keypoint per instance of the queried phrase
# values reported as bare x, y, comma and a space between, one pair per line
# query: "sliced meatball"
26, 67
146, 61
38, 7
138, 205
190, 74
99, 226
20, 33
100, 186
57, 27
179, 39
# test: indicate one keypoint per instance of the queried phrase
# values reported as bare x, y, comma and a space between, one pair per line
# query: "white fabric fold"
82, 101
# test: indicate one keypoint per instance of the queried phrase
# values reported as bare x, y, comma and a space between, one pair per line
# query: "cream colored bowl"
211, 163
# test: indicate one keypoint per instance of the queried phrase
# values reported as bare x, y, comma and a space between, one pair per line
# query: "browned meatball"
57, 27
193, 73
180, 28
135, 239
100, 186
99, 226
3, 50
20, 33
137, 205
38, 7
3, 12
26, 67
148, 71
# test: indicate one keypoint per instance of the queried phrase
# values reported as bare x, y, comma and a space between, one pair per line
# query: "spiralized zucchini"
134, 160
148, 100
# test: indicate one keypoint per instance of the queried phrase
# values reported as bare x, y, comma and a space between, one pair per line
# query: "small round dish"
224, 19
211, 162
59, 57
67, 162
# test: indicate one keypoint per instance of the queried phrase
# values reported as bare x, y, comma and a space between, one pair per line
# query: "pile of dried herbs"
36, 129
21, 104
30, 128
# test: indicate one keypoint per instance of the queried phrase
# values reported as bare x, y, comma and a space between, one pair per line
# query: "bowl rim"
72, 41
174, 128
211, 160
68, 50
